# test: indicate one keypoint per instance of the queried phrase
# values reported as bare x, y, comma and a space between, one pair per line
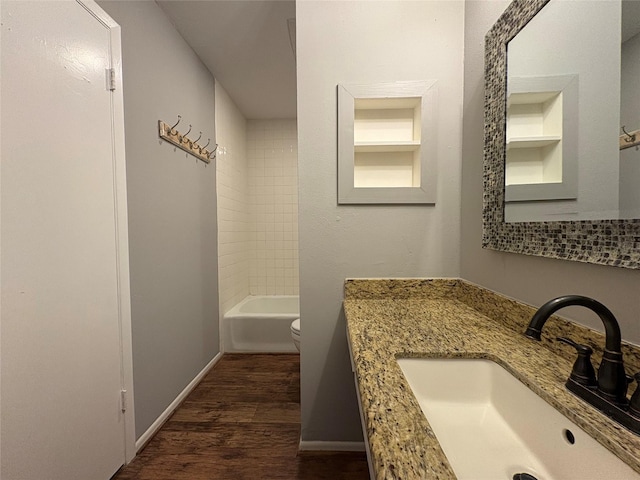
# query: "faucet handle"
583, 372
584, 349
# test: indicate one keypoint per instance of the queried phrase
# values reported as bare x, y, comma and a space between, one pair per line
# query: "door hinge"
111, 79
123, 400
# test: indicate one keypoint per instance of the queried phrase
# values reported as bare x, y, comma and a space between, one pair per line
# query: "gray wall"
366, 42
533, 280
630, 117
172, 210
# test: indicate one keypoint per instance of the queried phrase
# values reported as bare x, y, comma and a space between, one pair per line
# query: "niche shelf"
541, 147
534, 138
386, 143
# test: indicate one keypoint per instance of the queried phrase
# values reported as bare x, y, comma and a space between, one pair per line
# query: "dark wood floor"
241, 422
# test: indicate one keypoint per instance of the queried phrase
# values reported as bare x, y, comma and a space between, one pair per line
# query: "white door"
61, 340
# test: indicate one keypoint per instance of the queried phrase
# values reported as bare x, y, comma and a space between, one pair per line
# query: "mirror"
544, 224
570, 88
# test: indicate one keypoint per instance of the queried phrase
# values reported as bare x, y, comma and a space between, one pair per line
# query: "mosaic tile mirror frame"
606, 242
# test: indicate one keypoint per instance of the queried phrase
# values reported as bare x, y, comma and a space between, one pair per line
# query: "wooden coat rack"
173, 136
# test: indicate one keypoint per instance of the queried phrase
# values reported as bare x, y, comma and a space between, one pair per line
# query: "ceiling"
246, 45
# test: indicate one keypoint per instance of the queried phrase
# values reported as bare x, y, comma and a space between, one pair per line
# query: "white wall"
576, 33
533, 280
273, 195
172, 210
366, 42
630, 117
234, 215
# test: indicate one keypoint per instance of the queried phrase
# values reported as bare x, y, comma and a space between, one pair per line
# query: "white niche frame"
421, 96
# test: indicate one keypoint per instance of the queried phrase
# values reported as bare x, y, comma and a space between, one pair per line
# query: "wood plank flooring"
241, 422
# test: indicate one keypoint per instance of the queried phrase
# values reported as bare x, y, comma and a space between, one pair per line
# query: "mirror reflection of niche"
542, 139
534, 138
630, 108
576, 38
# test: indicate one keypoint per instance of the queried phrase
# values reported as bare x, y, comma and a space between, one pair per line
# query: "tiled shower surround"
272, 159
257, 207
234, 218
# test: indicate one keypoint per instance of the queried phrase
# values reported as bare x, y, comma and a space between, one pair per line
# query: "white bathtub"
260, 324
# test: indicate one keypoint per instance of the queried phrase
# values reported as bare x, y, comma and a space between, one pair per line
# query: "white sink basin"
491, 426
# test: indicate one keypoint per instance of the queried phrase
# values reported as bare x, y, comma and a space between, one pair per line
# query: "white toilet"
295, 332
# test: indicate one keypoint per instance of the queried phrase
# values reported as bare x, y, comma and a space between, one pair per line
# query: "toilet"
295, 332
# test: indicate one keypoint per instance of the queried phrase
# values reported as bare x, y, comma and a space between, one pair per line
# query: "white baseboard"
311, 446
155, 426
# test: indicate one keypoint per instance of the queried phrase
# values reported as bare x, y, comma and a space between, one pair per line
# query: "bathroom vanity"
451, 318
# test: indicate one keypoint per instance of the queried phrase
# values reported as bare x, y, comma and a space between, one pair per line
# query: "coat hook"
212, 152
184, 138
171, 129
196, 140
208, 142
631, 138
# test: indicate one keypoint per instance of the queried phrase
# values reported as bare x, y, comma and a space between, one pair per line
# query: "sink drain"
524, 476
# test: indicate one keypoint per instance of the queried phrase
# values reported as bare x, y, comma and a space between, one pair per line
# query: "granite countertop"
388, 319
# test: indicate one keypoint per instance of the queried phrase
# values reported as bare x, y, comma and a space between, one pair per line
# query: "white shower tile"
272, 200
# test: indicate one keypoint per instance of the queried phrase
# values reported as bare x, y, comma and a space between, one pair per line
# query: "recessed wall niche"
534, 138
386, 143
542, 146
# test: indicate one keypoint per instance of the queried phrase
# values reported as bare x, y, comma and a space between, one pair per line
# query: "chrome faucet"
608, 393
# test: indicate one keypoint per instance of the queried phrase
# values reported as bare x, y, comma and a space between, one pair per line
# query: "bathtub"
260, 324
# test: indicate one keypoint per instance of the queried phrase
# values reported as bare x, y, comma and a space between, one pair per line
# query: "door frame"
121, 224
